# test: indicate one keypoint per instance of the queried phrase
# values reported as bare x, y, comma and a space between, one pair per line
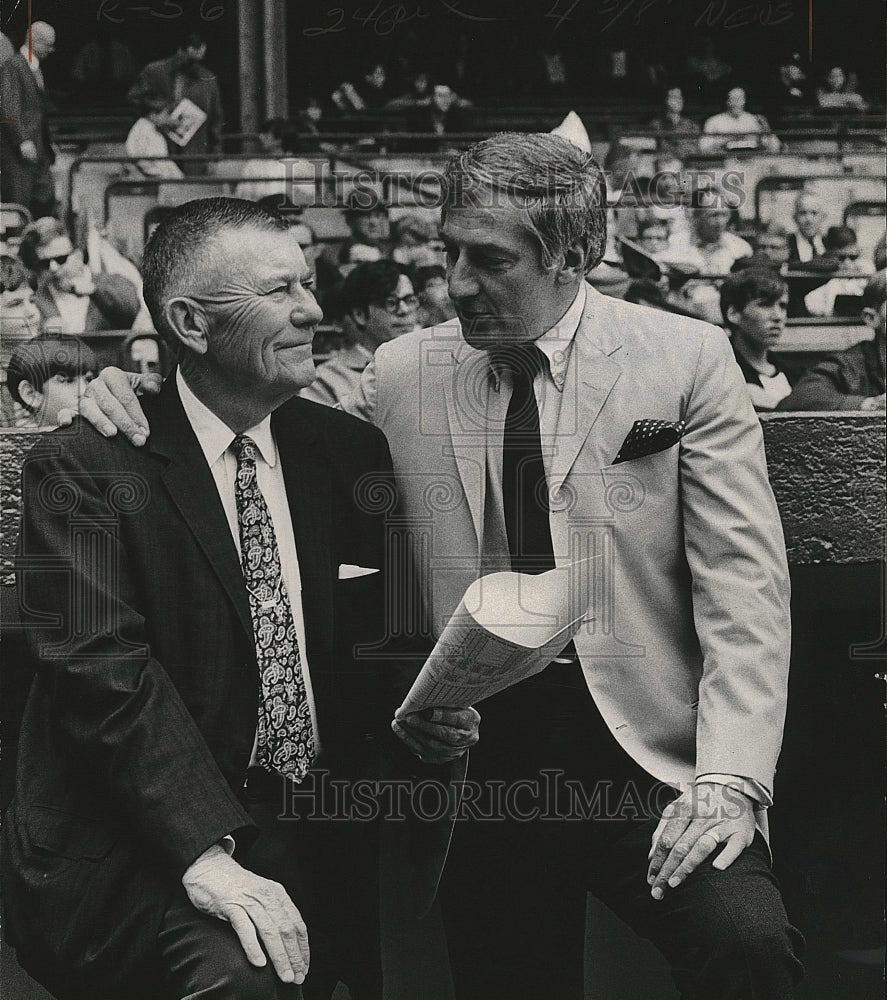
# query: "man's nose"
460, 281
307, 312
54, 266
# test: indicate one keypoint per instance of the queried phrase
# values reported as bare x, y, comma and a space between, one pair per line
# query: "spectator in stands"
789, 92
435, 304
369, 93
418, 94
710, 237
367, 218
754, 305
142, 352
19, 315
852, 379
72, 299
652, 236
380, 304
412, 237
841, 248
737, 128
677, 134
147, 137
809, 216
183, 77
772, 240
26, 153
837, 94
48, 375
443, 114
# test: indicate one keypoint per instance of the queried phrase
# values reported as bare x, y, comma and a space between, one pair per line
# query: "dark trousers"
580, 819
329, 868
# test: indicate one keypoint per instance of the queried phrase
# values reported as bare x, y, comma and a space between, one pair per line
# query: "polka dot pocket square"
648, 437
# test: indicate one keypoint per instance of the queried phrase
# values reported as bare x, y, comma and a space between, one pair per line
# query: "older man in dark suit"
25, 152
166, 838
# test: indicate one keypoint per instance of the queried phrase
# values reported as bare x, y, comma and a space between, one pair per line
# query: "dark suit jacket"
23, 107
140, 722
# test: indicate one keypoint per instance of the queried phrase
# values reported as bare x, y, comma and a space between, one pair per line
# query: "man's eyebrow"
487, 245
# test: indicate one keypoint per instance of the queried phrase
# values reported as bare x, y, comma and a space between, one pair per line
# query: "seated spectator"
842, 249
367, 219
852, 379
435, 304
772, 241
72, 299
418, 94
737, 128
47, 375
276, 173
716, 247
142, 352
790, 91
368, 93
147, 137
754, 304
677, 134
19, 315
412, 237
443, 114
809, 216
652, 237
380, 304
837, 94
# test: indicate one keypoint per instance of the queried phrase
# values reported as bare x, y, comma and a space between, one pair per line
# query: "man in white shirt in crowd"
737, 126
809, 216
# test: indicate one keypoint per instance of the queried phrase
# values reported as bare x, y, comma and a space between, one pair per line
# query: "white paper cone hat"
572, 129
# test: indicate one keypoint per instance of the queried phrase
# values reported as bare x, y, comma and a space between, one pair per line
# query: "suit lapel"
193, 490
476, 417
591, 375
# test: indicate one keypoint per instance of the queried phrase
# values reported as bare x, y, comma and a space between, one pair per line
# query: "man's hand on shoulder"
258, 909
111, 404
439, 735
708, 815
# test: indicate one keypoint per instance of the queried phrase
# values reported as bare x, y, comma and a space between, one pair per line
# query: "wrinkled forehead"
255, 251
489, 216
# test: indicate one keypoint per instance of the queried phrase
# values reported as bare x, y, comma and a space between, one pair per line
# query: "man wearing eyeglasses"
380, 304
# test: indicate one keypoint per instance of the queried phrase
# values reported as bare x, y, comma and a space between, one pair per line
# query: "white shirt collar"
555, 343
31, 59
214, 435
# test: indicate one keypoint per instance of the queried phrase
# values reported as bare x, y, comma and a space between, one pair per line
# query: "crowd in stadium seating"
675, 243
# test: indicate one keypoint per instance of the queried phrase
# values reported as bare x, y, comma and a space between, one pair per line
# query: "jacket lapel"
476, 425
193, 490
591, 375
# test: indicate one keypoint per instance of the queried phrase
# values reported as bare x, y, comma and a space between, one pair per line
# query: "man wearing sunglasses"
72, 299
380, 304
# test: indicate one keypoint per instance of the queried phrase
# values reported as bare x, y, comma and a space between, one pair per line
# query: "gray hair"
181, 247
561, 187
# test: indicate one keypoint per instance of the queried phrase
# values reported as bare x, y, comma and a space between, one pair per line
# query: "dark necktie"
524, 487
285, 735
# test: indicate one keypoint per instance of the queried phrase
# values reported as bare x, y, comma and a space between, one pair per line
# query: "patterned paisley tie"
285, 734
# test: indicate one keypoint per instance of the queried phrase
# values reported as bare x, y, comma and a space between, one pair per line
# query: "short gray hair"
560, 185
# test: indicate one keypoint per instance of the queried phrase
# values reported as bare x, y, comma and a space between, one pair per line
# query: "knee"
239, 980
763, 958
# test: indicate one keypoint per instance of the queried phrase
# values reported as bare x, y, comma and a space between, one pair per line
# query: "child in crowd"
48, 375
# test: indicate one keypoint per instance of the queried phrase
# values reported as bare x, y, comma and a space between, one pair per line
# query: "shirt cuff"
748, 786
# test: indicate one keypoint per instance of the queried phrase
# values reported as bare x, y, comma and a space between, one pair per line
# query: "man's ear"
734, 317
359, 317
189, 322
31, 397
572, 267
869, 317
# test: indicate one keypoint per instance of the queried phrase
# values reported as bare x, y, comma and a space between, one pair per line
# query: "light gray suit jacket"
687, 658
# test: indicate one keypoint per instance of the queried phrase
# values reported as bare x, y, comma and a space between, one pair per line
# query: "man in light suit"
193, 634
546, 425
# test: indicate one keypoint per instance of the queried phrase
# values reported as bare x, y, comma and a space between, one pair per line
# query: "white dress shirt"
215, 439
